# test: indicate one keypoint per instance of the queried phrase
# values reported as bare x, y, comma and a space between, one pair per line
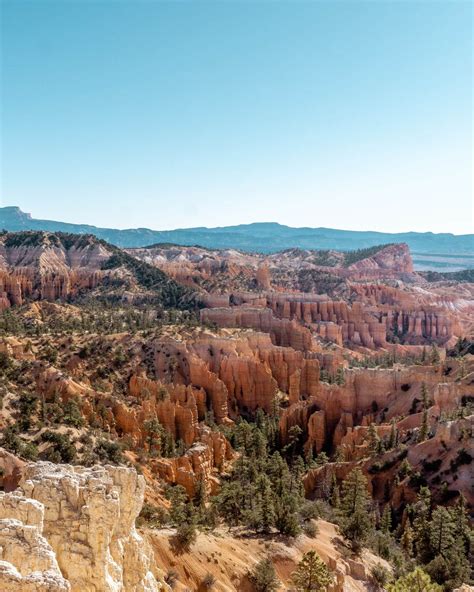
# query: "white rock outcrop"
27, 561
73, 528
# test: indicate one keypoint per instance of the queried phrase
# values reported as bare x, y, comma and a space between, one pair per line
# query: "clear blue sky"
352, 114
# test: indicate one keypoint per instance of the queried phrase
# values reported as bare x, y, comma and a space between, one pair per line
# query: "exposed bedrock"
327, 416
381, 314
238, 375
73, 528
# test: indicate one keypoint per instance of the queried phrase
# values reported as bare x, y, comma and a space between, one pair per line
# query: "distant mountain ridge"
438, 252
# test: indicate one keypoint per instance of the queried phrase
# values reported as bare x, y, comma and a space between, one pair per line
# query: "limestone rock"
27, 561
89, 521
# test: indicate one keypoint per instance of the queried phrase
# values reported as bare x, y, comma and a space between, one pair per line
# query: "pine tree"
309, 458
267, 507
462, 531
354, 492
168, 447
229, 502
423, 355
311, 574
424, 428
286, 518
178, 498
421, 512
462, 368
259, 445
335, 498
393, 438
415, 581
322, 459
386, 522
434, 356
200, 499
340, 378
356, 522
339, 455
294, 434
186, 532
154, 431
424, 396
373, 440
441, 531
406, 540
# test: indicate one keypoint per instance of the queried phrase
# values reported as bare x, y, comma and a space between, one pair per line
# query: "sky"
344, 114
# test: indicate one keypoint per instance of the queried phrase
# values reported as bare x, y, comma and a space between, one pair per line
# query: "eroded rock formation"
73, 528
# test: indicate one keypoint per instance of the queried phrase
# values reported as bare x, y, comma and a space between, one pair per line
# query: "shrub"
72, 414
263, 577
30, 451
379, 575
463, 458
152, 516
108, 451
5, 362
311, 529
171, 578
208, 581
186, 535
431, 466
61, 449
309, 510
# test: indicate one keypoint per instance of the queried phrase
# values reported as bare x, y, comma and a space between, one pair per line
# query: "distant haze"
438, 252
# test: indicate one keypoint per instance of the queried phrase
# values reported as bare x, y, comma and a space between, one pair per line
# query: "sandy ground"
229, 554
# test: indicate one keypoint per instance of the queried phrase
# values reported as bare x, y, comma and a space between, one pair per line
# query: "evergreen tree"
423, 355
229, 502
183, 516
386, 522
186, 532
200, 500
354, 493
406, 540
322, 459
450, 571
462, 531
421, 512
356, 529
154, 431
356, 522
266, 509
393, 438
335, 498
424, 428
311, 574
294, 434
340, 378
286, 518
309, 458
424, 396
434, 356
373, 440
441, 531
